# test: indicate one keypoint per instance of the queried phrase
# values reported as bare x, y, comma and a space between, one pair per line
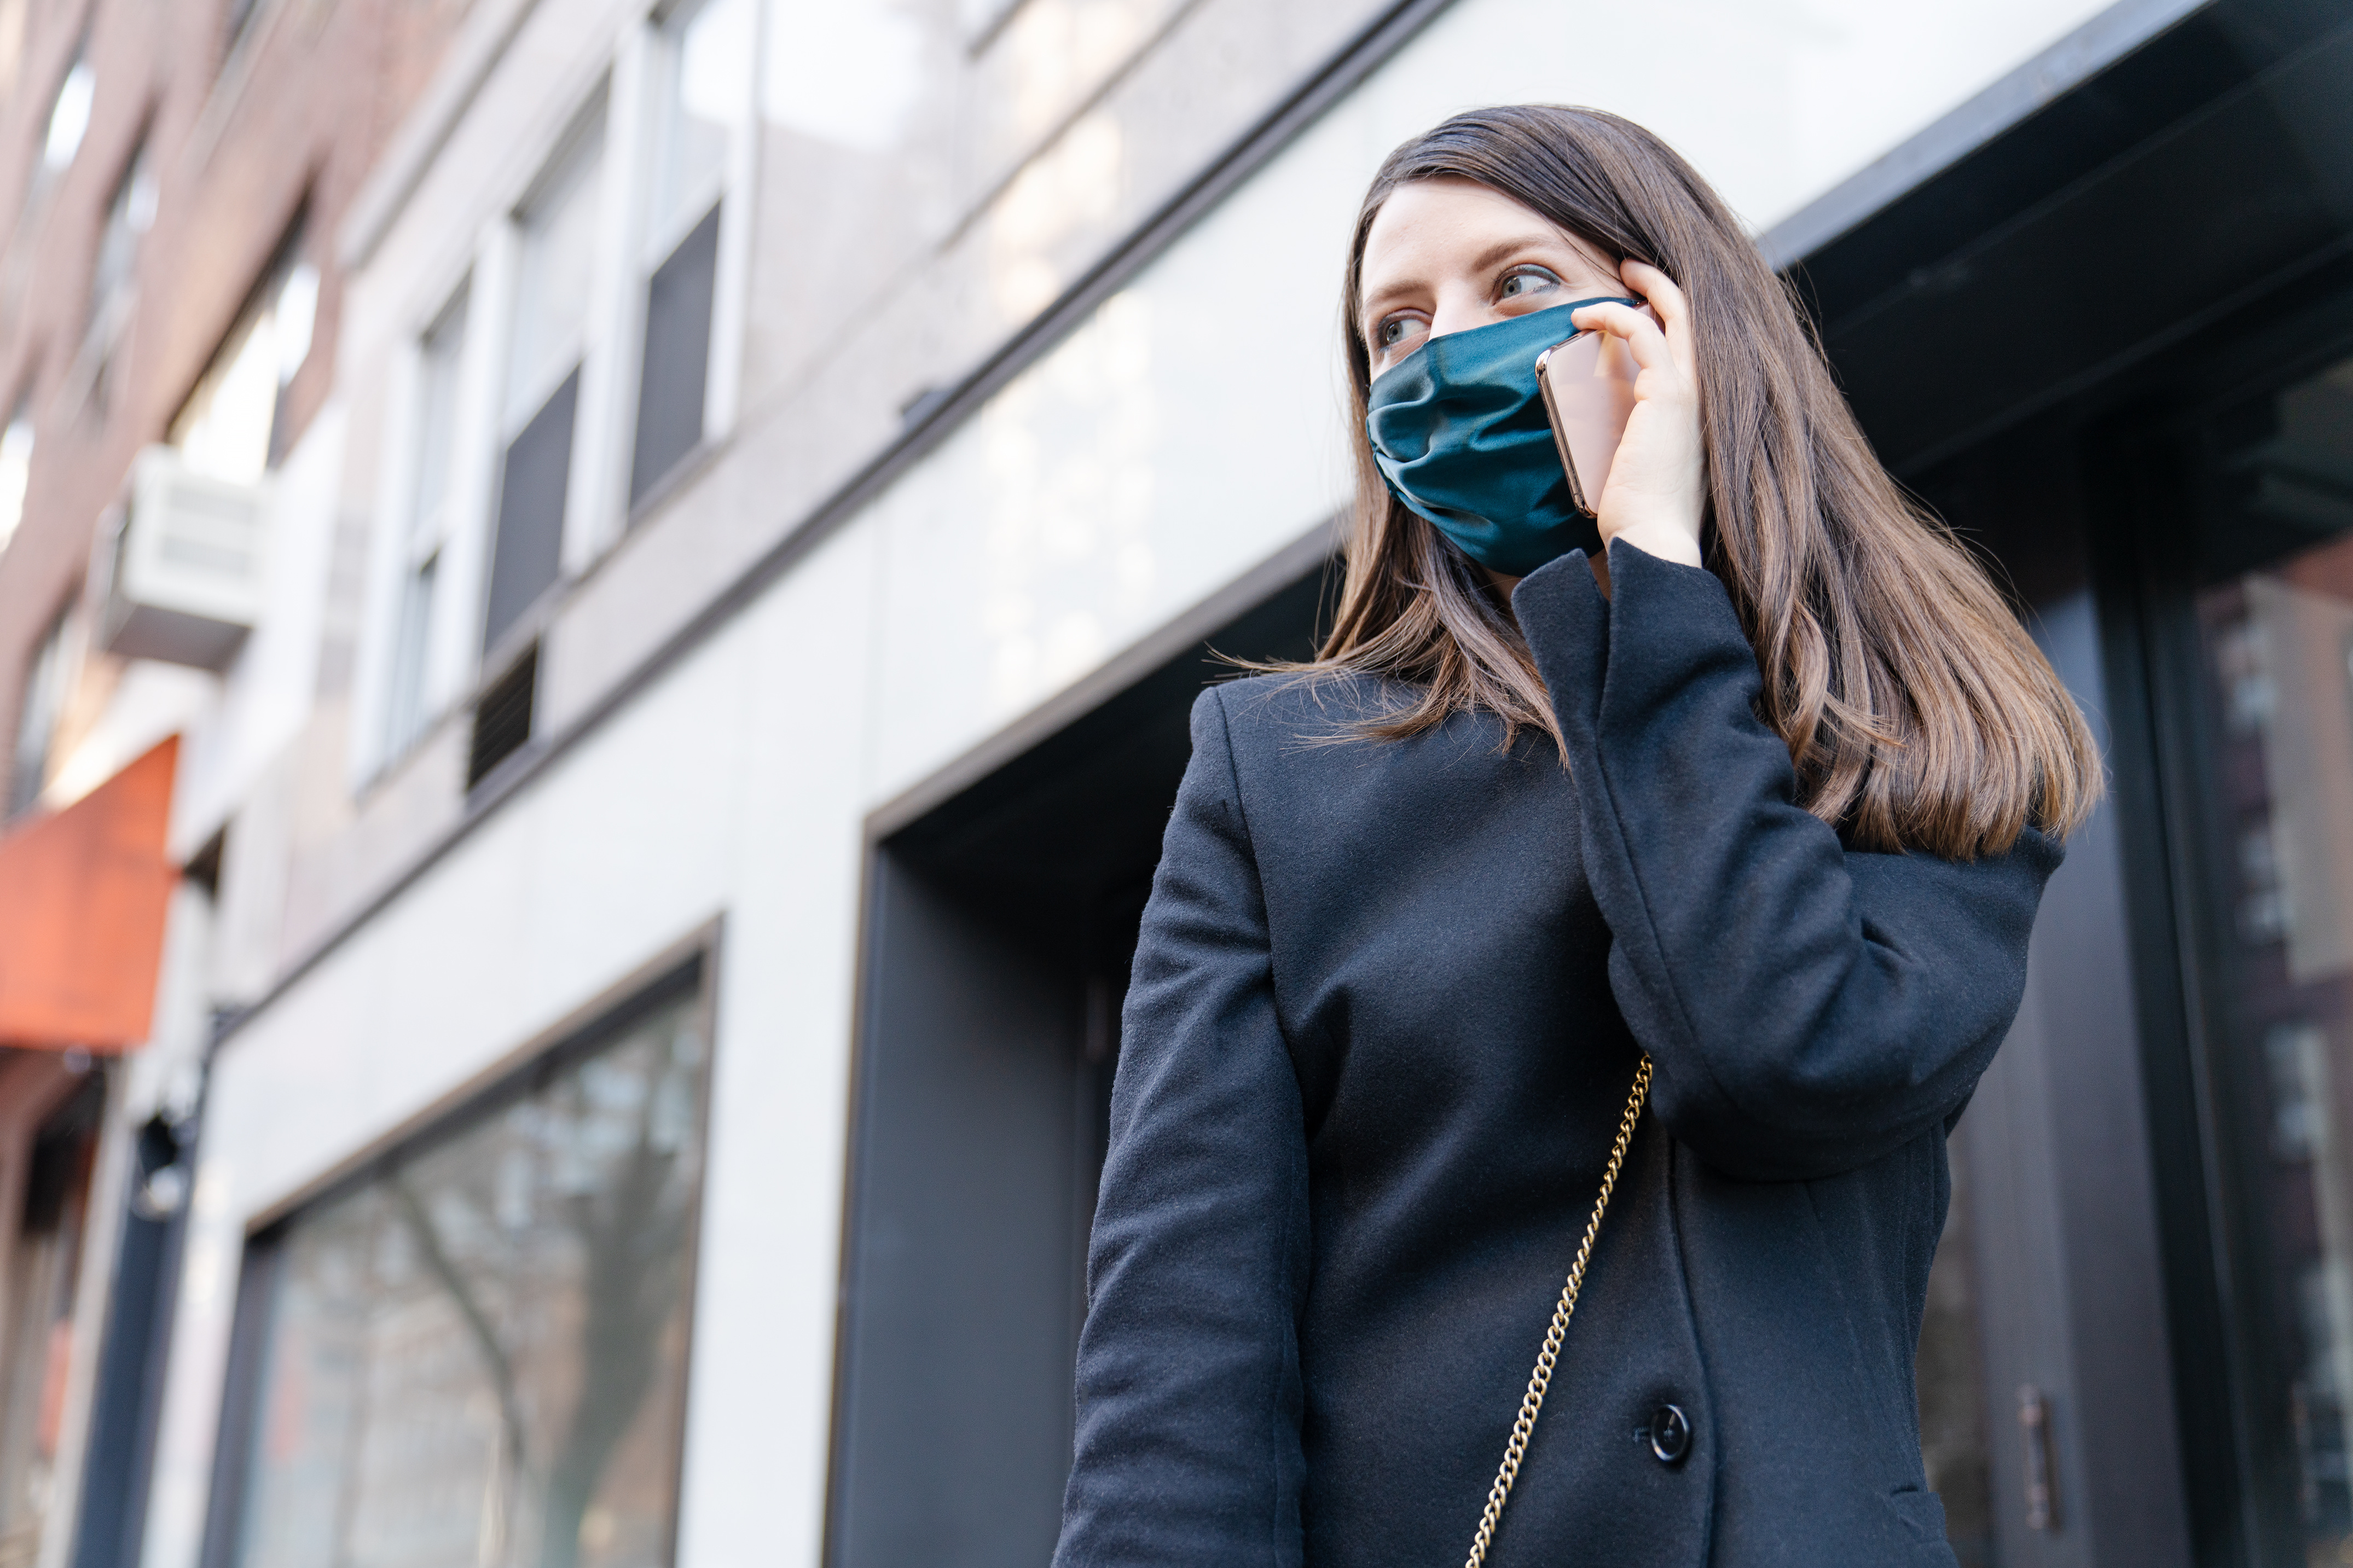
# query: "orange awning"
82, 898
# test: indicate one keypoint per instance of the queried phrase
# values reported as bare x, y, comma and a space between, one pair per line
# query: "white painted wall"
1107, 488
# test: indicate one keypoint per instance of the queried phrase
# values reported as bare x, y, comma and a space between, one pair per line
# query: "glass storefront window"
43, 1271
2274, 633
477, 1355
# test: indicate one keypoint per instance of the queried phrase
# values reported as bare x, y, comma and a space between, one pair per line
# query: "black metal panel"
960, 1285
2078, 258
2140, 519
127, 1399
2209, 55
999, 930
240, 1406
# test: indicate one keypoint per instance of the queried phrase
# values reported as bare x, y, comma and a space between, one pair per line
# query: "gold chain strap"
1549, 1357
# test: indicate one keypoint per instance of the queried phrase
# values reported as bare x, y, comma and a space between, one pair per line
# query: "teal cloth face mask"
1459, 431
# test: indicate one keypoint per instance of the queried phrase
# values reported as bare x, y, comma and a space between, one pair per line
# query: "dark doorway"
999, 929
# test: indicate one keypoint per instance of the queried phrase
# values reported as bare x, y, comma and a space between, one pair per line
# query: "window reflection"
702, 95
2275, 628
1955, 1446
477, 1356
557, 230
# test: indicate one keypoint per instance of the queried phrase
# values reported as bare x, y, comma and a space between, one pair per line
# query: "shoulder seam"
1234, 778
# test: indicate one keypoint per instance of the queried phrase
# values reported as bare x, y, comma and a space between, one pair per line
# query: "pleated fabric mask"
1459, 431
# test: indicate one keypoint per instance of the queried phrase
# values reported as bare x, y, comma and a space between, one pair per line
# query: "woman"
1764, 794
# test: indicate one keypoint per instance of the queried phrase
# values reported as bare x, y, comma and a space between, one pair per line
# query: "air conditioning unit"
191, 564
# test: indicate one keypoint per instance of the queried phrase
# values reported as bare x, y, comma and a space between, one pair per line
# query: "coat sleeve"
1807, 1009
1188, 1436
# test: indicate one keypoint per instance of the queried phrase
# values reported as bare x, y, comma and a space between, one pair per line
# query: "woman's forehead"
1442, 225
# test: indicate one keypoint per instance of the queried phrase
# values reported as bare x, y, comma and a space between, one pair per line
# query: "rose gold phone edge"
1560, 435
1588, 505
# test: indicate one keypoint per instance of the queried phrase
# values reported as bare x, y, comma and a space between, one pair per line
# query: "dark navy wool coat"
1387, 1007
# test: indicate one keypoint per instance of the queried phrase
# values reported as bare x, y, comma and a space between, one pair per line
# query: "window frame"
687, 969
594, 117
617, 99
418, 533
643, 67
476, 281
2151, 471
485, 265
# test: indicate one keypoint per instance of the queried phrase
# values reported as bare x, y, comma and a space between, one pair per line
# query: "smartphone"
1588, 383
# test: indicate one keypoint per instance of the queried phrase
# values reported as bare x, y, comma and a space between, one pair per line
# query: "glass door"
2271, 746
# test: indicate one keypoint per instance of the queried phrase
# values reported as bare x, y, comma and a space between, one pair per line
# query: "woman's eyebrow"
1533, 240
1514, 245
1373, 301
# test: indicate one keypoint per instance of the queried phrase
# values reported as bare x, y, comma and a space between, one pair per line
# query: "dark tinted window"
2274, 626
677, 357
532, 490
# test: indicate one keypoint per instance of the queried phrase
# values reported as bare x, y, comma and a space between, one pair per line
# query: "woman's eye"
1393, 332
1528, 281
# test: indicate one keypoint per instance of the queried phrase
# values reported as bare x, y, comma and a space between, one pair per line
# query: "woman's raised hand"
1658, 480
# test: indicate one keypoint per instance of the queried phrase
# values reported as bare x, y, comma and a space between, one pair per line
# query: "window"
114, 274
68, 117
478, 1353
2274, 627
553, 272
15, 467
43, 699
232, 426
440, 364
704, 95
44, 1267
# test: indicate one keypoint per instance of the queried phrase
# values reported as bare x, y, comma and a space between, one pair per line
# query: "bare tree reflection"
535, 1263
495, 1360
633, 1234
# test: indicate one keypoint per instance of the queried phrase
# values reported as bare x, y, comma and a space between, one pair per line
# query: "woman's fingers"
1643, 337
1657, 287
1656, 491
1668, 300
1663, 373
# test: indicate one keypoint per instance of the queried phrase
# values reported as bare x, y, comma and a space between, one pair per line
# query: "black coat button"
1670, 1434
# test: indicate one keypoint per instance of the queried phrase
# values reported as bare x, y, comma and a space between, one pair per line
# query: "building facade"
735, 588
169, 311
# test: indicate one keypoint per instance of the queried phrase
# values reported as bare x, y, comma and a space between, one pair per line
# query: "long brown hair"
1918, 712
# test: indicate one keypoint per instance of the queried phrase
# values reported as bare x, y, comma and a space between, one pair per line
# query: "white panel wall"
1184, 434
1195, 425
